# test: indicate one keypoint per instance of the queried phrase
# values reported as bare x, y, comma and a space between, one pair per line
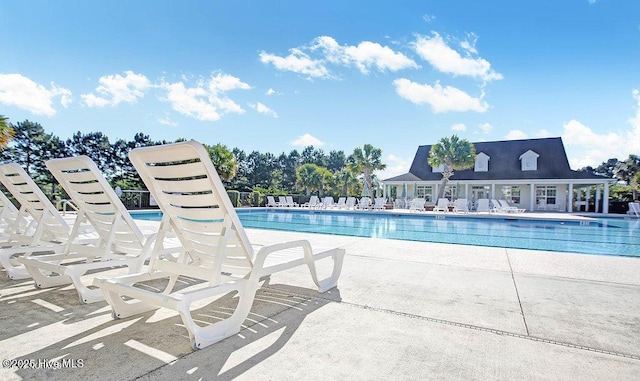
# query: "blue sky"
277, 76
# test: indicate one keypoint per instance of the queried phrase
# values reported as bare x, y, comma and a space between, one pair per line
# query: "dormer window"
482, 162
529, 161
439, 168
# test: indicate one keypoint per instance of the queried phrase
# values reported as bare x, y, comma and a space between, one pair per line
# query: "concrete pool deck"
402, 310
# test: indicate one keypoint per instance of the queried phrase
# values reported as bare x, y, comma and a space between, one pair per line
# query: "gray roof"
504, 163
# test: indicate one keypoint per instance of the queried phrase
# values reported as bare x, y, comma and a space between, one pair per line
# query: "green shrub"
257, 198
234, 195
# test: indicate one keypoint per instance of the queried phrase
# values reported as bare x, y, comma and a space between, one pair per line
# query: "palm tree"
223, 160
453, 154
309, 176
346, 180
366, 160
6, 131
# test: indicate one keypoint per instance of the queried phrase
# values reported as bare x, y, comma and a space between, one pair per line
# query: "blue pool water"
606, 236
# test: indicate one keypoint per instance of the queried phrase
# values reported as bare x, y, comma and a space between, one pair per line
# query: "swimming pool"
604, 236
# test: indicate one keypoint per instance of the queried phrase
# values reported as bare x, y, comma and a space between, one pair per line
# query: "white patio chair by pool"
271, 202
442, 205
634, 208
482, 206
417, 204
314, 203
342, 203
290, 202
217, 251
461, 205
351, 203
327, 202
9, 221
282, 201
47, 230
121, 243
497, 207
510, 209
379, 203
364, 203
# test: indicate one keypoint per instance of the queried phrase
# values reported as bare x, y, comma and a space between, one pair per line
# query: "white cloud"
428, 18
486, 128
633, 136
459, 127
307, 140
272, 92
297, 62
436, 51
543, 134
585, 147
116, 89
364, 56
20, 91
207, 101
395, 166
167, 121
262, 109
441, 99
516, 135
470, 46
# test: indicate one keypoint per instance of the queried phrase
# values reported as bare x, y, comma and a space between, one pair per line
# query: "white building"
533, 174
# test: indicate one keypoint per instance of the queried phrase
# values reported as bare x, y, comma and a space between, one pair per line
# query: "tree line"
309, 171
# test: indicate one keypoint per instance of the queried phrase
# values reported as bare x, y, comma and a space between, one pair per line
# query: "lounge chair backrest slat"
189, 191
33, 202
90, 191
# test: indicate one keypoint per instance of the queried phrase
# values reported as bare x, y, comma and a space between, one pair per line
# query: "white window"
439, 168
482, 162
529, 161
424, 191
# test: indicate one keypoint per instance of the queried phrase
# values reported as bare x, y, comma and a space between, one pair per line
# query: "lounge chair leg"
331, 281
202, 337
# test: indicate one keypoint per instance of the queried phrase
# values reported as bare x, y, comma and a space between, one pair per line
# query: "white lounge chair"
365, 203
327, 202
508, 208
342, 203
482, 206
271, 202
417, 204
351, 203
461, 205
379, 203
47, 230
282, 201
634, 208
290, 202
217, 251
9, 221
497, 207
314, 203
120, 244
442, 205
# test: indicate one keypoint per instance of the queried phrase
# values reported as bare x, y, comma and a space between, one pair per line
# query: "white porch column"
570, 198
605, 199
532, 197
466, 191
587, 196
435, 193
493, 191
597, 210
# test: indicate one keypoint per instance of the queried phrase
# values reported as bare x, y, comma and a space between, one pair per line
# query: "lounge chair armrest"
265, 251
